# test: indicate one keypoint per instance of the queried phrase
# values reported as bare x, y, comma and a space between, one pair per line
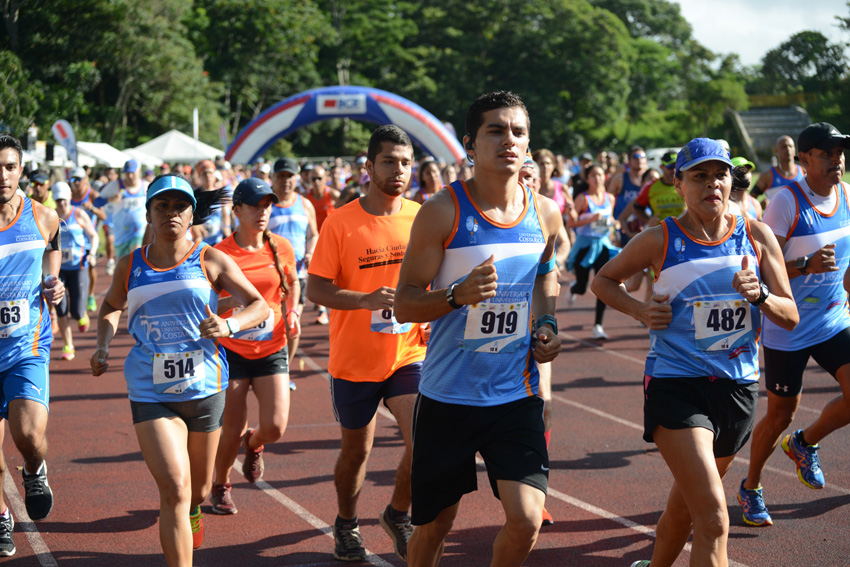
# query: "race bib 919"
495, 327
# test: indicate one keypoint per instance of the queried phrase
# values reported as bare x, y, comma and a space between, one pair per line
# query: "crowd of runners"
438, 283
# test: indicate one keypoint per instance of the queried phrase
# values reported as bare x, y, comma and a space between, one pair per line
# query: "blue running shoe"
806, 457
641, 563
752, 501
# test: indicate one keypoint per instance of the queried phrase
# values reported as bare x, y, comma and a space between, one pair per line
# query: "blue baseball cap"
251, 191
130, 166
170, 183
700, 150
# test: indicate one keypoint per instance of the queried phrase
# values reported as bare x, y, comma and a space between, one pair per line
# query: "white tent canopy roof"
146, 160
102, 153
175, 146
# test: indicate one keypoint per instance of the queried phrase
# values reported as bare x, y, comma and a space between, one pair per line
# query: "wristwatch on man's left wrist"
765, 293
801, 263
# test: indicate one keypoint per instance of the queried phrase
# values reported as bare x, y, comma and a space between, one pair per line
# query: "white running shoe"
571, 300
598, 333
110, 267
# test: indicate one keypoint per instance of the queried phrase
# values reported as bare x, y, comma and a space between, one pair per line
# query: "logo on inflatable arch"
359, 103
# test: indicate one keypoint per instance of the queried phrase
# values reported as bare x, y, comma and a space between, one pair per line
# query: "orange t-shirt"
270, 336
324, 206
362, 252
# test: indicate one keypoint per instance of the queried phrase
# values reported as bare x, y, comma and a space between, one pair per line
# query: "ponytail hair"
284, 283
208, 203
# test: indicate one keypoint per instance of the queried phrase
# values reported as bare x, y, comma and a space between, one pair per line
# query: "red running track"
608, 487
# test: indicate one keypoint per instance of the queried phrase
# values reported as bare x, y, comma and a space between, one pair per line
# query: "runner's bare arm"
312, 232
324, 291
643, 251
762, 184
88, 228
780, 307
109, 315
413, 301
546, 287
53, 288
225, 274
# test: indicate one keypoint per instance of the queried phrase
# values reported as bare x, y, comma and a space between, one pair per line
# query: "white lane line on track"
307, 516
595, 346
25, 524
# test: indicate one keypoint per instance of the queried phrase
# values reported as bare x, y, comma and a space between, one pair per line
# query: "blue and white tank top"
602, 227
777, 181
129, 220
73, 242
170, 362
24, 318
627, 194
480, 355
92, 216
821, 299
714, 331
291, 223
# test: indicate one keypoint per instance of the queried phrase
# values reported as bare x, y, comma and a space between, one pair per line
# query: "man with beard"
372, 357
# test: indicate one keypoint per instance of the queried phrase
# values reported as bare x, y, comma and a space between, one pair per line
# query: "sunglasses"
638, 156
314, 179
76, 179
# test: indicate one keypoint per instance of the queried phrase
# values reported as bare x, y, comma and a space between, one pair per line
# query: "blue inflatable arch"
359, 103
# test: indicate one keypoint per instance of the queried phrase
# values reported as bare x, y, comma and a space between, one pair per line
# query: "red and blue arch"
358, 103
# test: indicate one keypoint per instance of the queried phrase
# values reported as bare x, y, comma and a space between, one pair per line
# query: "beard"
386, 187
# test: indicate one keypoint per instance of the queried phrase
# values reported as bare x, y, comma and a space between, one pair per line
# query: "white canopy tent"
175, 146
146, 160
102, 153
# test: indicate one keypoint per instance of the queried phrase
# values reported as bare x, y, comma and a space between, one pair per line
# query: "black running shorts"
446, 438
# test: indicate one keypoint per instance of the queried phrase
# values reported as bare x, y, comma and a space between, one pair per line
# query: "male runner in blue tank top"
486, 248
785, 173
29, 262
811, 221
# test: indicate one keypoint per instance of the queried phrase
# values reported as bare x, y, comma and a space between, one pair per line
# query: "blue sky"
751, 28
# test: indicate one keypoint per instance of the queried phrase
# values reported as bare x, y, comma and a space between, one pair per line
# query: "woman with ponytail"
176, 372
258, 356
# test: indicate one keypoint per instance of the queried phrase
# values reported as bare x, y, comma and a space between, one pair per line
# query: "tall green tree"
260, 51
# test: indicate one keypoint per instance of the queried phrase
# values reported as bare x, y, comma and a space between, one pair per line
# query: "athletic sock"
802, 439
342, 522
396, 516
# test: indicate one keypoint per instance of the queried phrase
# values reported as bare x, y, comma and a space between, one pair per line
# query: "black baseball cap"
251, 191
39, 177
286, 164
823, 136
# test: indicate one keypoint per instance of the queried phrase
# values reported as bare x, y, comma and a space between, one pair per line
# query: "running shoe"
399, 532
221, 501
68, 352
571, 300
752, 501
323, 319
253, 466
292, 386
348, 543
83, 324
7, 544
598, 333
92, 304
196, 520
110, 267
641, 563
37, 494
547, 518
806, 458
